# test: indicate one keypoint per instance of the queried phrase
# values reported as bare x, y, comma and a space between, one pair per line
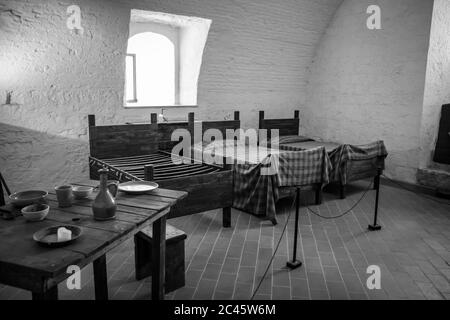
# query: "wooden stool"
175, 275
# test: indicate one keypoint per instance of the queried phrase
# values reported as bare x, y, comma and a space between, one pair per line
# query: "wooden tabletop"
23, 262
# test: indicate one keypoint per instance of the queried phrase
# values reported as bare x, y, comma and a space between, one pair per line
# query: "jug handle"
113, 188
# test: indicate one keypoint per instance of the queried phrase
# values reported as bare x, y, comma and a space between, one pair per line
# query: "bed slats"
162, 167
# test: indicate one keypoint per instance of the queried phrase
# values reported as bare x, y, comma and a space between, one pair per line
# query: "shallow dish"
25, 198
35, 212
138, 187
48, 237
80, 192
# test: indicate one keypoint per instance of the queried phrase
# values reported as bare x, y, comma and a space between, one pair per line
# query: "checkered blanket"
256, 186
340, 156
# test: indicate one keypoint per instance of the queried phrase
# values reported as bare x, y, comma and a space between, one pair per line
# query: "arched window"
164, 59
150, 70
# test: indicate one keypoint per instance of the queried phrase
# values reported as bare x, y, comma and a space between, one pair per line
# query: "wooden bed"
354, 170
142, 152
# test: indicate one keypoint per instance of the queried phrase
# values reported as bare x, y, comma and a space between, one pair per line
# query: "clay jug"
104, 206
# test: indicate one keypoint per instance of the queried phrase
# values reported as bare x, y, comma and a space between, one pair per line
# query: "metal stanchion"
294, 264
375, 226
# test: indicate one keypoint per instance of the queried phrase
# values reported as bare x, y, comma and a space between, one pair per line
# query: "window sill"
162, 106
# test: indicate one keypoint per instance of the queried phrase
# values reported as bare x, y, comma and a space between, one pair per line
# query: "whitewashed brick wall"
257, 57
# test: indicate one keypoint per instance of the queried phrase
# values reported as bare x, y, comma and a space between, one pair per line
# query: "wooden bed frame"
142, 152
287, 127
355, 169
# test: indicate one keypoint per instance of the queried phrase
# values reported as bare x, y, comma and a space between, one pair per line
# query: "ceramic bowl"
80, 192
25, 198
35, 212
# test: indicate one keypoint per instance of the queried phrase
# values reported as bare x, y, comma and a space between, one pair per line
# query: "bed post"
92, 152
148, 173
226, 212
237, 116
261, 119
191, 128
153, 118
91, 119
297, 114
319, 192
269, 133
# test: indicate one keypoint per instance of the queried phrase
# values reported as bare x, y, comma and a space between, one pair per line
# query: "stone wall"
367, 85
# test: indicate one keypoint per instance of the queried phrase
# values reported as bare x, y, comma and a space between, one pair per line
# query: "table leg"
51, 294
100, 278
226, 217
159, 259
342, 190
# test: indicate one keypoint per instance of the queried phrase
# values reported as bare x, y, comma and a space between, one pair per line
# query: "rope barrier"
287, 222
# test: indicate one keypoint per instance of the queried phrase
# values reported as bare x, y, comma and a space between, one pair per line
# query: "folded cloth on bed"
256, 186
286, 140
346, 152
237, 151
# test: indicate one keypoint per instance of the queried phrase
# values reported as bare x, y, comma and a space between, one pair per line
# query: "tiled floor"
412, 250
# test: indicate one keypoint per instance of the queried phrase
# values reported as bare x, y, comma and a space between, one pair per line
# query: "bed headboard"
122, 140
287, 127
140, 139
223, 125
166, 129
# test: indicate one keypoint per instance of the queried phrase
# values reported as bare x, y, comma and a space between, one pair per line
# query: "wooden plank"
185, 172
222, 126
32, 279
124, 213
123, 140
91, 240
84, 212
146, 202
65, 216
165, 131
154, 156
160, 194
206, 192
286, 127
168, 193
18, 234
109, 247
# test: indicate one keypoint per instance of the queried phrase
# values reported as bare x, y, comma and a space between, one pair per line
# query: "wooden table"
27, 265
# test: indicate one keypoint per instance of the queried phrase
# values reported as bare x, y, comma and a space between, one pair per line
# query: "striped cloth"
343, 154
256, 186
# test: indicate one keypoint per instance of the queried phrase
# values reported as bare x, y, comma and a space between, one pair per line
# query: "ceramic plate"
138, 187
48, 237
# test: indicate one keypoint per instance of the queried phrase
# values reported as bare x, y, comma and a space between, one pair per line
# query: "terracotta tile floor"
412, 250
